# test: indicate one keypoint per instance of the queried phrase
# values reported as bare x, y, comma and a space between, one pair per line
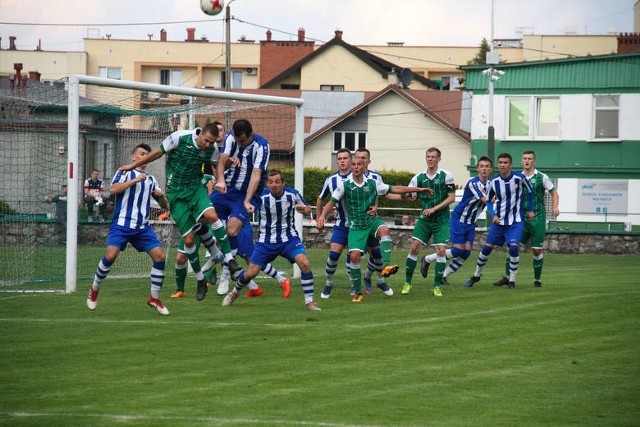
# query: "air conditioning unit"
251, 71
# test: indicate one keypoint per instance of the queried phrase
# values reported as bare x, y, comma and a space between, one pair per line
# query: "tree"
481, 56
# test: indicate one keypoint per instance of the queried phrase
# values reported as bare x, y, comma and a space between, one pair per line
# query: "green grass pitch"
564, 354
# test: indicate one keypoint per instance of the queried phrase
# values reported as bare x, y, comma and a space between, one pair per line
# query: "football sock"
356, 277
441, 265
537, 267
332, 264
514, 262
157, 277
101, 272
385, 248
410, 267
194, 260
307, 286
483, 256
223, 240
181, 276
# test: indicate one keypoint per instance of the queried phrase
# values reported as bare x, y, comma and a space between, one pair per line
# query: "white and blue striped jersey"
276, 218
374, 175
133, 204
508, 193
253, 156
471, 205
330, 184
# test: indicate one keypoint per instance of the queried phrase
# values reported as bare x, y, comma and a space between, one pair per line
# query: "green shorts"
186, 211
358, 238
425, 230
534, 232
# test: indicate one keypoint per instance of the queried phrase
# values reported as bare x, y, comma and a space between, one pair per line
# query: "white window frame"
114, 73
596, 109
343, 139
534, 118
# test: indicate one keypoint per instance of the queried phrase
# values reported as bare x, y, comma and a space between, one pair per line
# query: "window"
290, 86
533, 117
332, 88
349, 140
110, 72
236, 79
606, 112
170, 78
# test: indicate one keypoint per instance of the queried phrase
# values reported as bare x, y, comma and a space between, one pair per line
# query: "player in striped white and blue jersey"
133, 190
278, 236
507, 191
340, 233
462, 228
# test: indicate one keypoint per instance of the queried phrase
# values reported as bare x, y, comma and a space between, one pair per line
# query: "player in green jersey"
358, 193
190, 206
433, 220
534, 229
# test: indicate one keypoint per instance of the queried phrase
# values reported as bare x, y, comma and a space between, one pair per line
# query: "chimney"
339, 34
163, 35
300, 34
108, 36
191, 34
34, 75
12, 42
268, 35
150, 35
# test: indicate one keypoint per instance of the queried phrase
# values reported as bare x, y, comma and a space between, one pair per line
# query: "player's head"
505, 161
484, 167
275, 182
433, 156
243, 132
63, 188
358, 166
343, 160
207, 136
365, 155
94, 174
528, 159
140, 151
220, 127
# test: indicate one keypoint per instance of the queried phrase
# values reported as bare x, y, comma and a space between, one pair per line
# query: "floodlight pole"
227, 67
491, 60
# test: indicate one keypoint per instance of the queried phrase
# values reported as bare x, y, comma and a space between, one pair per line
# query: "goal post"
75, 82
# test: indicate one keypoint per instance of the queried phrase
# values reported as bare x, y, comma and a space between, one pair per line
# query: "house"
580, 116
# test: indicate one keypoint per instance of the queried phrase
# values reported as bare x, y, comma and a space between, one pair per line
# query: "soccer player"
462, 229
508, 189
534, 230
340, 230
278, 236
433, 220
374, 264
133, 191
190, 206
358, 194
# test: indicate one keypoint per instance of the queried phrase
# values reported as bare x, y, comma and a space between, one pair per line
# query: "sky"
363, 22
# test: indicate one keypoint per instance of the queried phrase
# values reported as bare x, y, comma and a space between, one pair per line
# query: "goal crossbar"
76, 80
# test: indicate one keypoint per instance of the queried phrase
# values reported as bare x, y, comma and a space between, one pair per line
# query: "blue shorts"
264, 253
143, 239
231, 204
500, 234
461, 233
245, 241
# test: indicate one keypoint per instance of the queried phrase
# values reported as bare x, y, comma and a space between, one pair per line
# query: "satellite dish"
406, 76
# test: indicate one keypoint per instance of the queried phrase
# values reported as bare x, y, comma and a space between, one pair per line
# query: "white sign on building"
603, 196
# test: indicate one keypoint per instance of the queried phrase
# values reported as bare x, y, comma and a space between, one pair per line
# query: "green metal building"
582, 118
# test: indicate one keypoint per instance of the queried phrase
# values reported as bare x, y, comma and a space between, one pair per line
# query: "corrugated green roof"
589, 74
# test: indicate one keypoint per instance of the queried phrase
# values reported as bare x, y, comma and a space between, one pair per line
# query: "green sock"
537, 268
385, 248
356, 279
223, 239
181, 276
440, 267
409, 268
194, 260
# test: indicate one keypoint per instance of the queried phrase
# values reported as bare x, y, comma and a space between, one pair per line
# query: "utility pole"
227, 68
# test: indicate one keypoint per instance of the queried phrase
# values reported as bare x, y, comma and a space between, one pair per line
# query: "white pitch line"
207, 420
170, 322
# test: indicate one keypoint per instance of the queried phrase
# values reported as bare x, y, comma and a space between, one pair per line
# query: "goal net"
55, 134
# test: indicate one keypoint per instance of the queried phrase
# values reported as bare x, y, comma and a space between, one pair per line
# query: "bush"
6, 209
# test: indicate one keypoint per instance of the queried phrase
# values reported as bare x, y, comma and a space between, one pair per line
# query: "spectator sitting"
93, 192
404, 221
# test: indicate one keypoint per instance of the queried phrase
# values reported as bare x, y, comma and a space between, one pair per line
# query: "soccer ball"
212, 7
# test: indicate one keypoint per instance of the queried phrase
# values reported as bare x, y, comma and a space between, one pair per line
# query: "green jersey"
184, 161
442, 185
358, 199
540, 183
